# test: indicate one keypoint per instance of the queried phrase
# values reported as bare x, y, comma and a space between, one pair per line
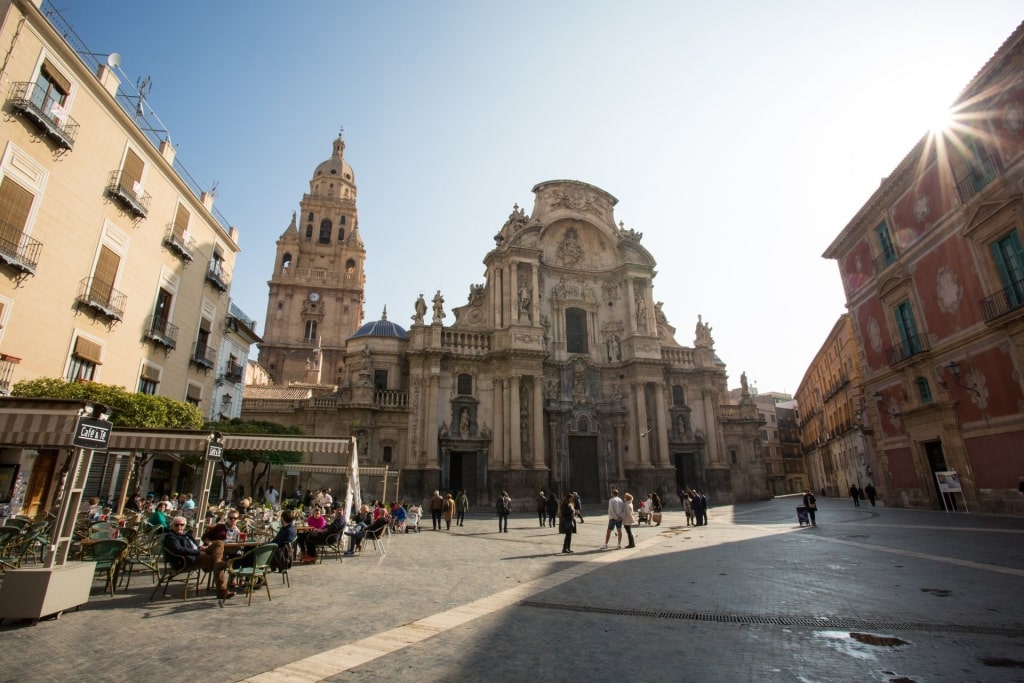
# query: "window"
286, 262
1009, 258
678, 397
733, 458
924, 392
51, 90
194, 394
85, 358
907, 330
149, 378
101, 288
886, 252
310, 217
764, 435
309, 231
773, 419
341, 233
325, 231
465, 385
575, 330
15, 205
386, 454
310, 333
131, 173
380, 380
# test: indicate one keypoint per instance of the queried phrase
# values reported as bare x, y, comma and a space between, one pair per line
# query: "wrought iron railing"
162, 331
30, 99
134, 199
18, 249
1003, 301
979, 174
102, 297
912, 346
202, 355
218, 275
182, 244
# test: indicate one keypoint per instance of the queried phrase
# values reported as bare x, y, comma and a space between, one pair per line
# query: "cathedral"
558, 373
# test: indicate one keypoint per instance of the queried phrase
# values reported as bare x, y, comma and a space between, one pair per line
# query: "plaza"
869, 594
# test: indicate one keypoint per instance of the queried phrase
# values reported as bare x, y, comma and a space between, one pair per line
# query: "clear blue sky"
739, 137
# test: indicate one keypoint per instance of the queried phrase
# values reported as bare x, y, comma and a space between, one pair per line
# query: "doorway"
39, 482
462, 474
584, 476
937, 463
687, 471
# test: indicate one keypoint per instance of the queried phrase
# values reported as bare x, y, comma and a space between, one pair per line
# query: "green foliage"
131, 409
237, 426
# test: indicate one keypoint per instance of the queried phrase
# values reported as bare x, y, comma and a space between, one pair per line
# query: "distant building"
933, 268
558, 372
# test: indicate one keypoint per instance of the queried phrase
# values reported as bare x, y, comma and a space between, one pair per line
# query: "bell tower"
317, 284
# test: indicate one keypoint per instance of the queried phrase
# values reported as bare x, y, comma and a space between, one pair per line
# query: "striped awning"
334, 469
45, 427
175, 441
306, 444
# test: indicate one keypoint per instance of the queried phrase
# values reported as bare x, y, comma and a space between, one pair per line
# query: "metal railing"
30, 99
233, 372
913, 345
102, 297
202, 355
135, 202
218, 275
162, 331
979, 174
1003, 301
184, 244
18, 249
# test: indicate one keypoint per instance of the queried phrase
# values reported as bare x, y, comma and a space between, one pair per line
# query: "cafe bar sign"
92, 433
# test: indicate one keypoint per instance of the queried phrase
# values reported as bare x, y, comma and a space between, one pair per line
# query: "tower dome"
381, 328
334, 177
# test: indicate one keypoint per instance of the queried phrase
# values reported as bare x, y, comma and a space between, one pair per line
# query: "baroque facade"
559, 372
933, 269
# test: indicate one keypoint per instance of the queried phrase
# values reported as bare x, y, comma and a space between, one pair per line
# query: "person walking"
567, 522
504, 508
871, 493
448, 511
656, 508
436, 508
578, 504
855, 494
811, 503
628, 518
461, 507
688, 507
542, 507
552, 508
615, 513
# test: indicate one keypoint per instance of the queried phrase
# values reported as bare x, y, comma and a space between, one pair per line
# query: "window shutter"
55, 77
205, 324
194, 393
150, 373
181, 217
131, 172
105, 274
15, 204
88, 350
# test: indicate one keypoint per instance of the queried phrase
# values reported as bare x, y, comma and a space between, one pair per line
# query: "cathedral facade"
559, 372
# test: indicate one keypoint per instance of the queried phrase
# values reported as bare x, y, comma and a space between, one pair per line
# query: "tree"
261, 461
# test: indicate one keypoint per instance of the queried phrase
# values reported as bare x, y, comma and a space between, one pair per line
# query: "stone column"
512, 298
515, 445
644, 454
663, 425
618, 440
432, 423
631, 306
498, 439
535, 297
710, 428
538, 459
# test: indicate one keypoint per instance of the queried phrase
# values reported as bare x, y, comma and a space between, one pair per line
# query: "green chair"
17, 522
16, 550
143, 554
174, 566
258, 561
333, 543
107, 554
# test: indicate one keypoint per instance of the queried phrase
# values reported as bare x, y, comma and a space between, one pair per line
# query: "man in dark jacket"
183, 551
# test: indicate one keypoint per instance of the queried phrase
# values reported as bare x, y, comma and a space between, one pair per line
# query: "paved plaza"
870, 594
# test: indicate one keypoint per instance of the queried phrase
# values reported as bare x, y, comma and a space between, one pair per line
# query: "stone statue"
743, 383
438, 307
421, 309
524, 302
641, 313
464, 423
443, 431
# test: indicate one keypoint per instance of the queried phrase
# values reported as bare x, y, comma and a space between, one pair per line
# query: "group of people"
443, 509
858, 495
695, 505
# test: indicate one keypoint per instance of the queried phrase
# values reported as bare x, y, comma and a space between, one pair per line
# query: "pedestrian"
615, 512
628, 518
700, 507
870, 492
436, 508
688, 507
656, 508
504, 507
567, 522
552, 508
811, 503
542, 507
461, 507
448, 511
578, 504
855, 494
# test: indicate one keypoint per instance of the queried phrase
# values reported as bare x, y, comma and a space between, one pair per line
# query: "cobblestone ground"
870, 594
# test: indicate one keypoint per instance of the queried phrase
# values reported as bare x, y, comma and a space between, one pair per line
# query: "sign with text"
949, 482
215, 451
91, 433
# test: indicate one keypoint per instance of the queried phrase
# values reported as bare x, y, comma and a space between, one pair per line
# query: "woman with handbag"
811, 503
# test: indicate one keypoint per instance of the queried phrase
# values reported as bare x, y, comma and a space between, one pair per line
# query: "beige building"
834, 426
113, 265
558, 372
933, 269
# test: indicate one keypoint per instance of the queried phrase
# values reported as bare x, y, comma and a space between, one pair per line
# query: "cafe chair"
17, 522
14, 553
252, 567
143, 554
171, 572
333, 543
107, 554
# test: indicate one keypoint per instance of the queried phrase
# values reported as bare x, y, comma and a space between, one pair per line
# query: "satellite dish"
113, 60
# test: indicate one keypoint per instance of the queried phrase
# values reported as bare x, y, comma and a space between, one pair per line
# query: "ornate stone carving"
570, 251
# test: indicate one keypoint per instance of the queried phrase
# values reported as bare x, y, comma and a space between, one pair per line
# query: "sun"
941, 121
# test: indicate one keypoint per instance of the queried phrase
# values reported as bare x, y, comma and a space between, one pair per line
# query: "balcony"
218, 276
202, 356
102, 298
233, 372
162, 332
128, 194
31, 101
7, 363
1002, 302
391, 399
181, 244
883, 261
18, 250
978, 176
914, 345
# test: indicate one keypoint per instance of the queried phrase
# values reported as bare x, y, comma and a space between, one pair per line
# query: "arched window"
286, 261
310, 218
575, 330
678, 399
341, 221
309, 231
465, 385
325, 231
310, 333
341, 234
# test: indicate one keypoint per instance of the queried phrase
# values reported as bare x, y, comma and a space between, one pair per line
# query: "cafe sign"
215, 451
92, 433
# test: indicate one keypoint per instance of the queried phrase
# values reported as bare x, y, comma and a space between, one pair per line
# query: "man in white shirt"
271, 495
616, 511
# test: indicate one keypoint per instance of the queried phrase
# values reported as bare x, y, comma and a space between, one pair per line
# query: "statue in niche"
438, 307
614, 348
421, 309
524, 303
579, 383
617, 392
570, 251
641, 312
524, 429
552, 388
443, 431
464, 423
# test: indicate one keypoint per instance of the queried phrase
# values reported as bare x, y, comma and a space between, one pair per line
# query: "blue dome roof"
381, 328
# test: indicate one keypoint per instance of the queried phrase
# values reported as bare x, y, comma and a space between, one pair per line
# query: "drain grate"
828, 623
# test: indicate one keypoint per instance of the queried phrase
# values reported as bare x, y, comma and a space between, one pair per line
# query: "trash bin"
802, 516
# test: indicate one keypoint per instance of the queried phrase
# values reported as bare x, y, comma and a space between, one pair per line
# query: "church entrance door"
463, 474
584, 469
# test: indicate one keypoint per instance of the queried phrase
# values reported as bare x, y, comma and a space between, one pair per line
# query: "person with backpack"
504, 508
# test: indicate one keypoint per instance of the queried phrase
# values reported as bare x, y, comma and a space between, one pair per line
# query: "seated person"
316, 520
159, 516
398, 516
360, 532
226, 531
286, 534
316, 538
188, 553
94, 509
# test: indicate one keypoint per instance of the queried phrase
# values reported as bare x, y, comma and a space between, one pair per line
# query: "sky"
739, 137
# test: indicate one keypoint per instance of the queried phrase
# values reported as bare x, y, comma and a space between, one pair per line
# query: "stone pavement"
870, 594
